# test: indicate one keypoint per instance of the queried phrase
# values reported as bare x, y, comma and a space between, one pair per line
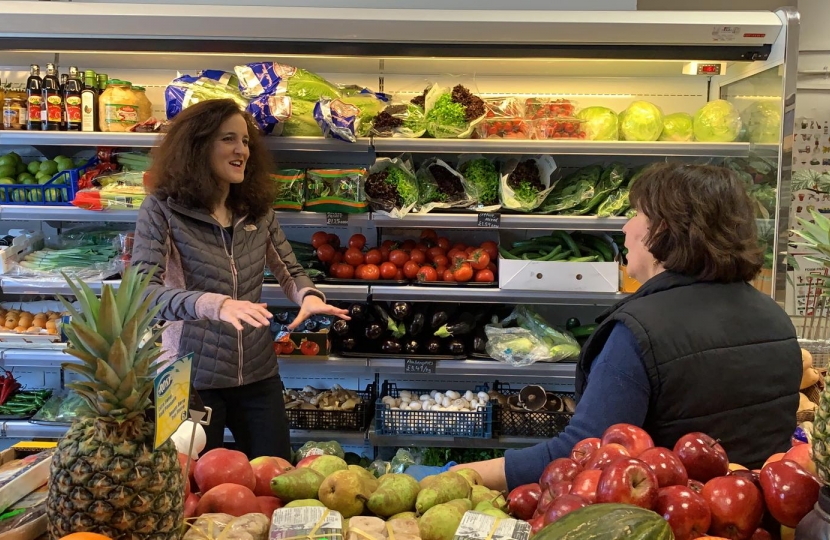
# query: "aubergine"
465, 324
434, 346
387, 322
455, 346
418, 320
348, 343
357, 312
442, 314
282, 317
373, 330
400, 310
341, 327
310, 325
391, 346
411, 346
480, 342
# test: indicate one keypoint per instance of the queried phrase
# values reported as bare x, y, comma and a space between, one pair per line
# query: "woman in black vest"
696, 348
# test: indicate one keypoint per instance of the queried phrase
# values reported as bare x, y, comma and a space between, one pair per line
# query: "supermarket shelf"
36, 358
40, 287
563, 370
581, 148
507, 221
449, 442
493, 296
273, 294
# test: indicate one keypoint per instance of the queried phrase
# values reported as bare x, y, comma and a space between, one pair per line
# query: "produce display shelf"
450, 442
440, 220
559, 370
493, 296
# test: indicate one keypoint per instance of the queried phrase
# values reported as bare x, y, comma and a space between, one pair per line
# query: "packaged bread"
211, 526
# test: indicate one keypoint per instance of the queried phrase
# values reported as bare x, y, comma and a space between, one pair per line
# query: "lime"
52, 195
49, 166
16, 157
7, 170
43, 179
25, 178
19, 195
8, 159
64, 163
35, 196
21, 168
6, 181
80, 162
34, 167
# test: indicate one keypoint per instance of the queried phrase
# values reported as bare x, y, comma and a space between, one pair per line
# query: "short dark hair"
181, 164
702, 221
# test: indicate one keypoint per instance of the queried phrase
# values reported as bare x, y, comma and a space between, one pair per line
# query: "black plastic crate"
535, 424
317, 419
475, 424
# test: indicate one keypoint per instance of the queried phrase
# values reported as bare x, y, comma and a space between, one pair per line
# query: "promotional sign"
172, 396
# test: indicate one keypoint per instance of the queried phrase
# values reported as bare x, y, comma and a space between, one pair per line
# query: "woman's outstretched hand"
313, 305
238, 311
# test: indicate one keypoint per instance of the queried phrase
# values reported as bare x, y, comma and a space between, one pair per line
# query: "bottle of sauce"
53, 100
34, 100
89, 102
72, 100
64, 78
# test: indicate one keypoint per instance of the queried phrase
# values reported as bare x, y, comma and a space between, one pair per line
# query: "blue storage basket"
60, 190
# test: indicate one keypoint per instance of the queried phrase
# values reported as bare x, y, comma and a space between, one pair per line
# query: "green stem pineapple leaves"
816, 237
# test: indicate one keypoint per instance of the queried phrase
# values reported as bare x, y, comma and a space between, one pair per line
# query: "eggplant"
282, 317
480, 342
387, 322
357, 312
442, 315
455, 346
434, 346
341, 327
401, 310
418, 320
373, 330
391, 346
348, 343
465, 324
411, 346
310, 325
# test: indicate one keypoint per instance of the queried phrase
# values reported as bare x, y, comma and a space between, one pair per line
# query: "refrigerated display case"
678, 61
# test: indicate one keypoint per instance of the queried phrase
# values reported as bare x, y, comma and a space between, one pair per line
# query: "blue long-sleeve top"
618, 391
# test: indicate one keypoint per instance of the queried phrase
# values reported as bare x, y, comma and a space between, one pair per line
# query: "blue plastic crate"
60, 190
473, 425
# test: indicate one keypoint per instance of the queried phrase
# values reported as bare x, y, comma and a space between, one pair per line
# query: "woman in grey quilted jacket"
208, 226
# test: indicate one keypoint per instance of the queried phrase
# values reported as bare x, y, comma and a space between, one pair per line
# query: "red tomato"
451, 254
371, 272
427, 242
399, 275
440, 271
410, 269
334, 240
374, 256
435, 252
491, 248
469, 250
418, 256
398, 258
464, 272
427, 273
429, 233
325, 253
443, 242
319, 238
287, 346
422, 246
460, 246
338, 258
493, 268
408, 244
354, 256
357, 241
346, 271
388, 270
389, 244
484, 276
384, 253
309, 348
441, 260
479, 259
457, 260
448, 275
358, 272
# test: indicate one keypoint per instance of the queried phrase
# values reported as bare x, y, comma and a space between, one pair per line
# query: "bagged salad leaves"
601, 123
348, 117
270, 112
573, 190
641, 121
525, 183
403, 120
260, 78
452, 114
677, 127
188, 90
616, 203
483, 180
301, 123
440, 186
290, 189
524, 338
392, 187
335, 190
717, 121
612, 178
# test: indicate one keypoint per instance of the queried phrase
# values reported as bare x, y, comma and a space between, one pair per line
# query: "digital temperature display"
708, 69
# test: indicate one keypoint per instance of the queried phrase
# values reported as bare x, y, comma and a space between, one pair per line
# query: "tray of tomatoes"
540, 107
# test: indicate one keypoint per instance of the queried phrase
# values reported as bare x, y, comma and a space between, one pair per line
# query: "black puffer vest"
721, 358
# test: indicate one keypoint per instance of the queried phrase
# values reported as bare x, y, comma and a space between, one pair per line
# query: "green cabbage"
601, 123
307, 86
763, 122
641, 121
717, 121
677, 127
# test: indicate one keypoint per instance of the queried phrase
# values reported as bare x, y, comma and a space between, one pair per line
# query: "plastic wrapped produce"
483, 177
573, 190
188, 90
290, 189
228, 527
525, 183
677, 127
641, 121
392, 187
403, 120
717, 121
440, 186
452, 113
335, 190
763, 122
601, 123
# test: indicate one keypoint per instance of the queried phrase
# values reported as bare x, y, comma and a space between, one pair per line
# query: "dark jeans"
255, 414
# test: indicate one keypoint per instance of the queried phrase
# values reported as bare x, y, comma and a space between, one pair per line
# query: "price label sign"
171, 389
419, 365
337, 218
489, 220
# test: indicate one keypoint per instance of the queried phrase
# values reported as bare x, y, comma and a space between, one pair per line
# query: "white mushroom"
425, 397
415, 405
469, 396
446, 401
452, 394
483, 396
432, 394
460, 403
438, 397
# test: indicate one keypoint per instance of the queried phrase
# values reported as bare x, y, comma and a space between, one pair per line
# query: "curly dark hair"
702, 221
181, 164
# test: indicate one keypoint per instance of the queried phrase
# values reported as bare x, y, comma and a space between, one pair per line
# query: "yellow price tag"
172, 395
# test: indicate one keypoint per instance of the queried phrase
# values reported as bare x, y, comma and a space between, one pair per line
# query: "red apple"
523, 500
632, 438
306, 461
583, 449
702, 456
736, 505
666, 466
230, 499
803, 455
789, 491
749, 476
183, 461
686, 511
563, 506
761, 534
559, 470
560, 488
266, 469
627, 481
190, 505
585, 485
267, 505
602, 457
536, 524
223, 466
695, 486
775, 457
544, 502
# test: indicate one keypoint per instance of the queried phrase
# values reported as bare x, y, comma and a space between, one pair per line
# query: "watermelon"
608, 522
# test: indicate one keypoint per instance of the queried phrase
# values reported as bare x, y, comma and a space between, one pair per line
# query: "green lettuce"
677, 127
717, 121
601, 123
641, 121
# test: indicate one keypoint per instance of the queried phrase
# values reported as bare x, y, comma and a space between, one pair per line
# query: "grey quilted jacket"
199, 268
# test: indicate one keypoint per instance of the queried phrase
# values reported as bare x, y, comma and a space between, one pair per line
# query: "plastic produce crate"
355, 420
474, 425
60, 190
535, 424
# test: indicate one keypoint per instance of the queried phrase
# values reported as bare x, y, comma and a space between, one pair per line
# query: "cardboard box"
21, 246
292, 345
479, 526
31, 522
559, 276
21, 473
291, 523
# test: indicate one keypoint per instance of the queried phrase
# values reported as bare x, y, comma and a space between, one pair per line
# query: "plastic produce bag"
290, 184
526, 182
612, 178
763, 122
573, 190
615, 204
717, 121
188, 90
117, 191
252, 526
270, 112
62, 408
484, 181
641, 121
601, 123
337, 120
335, 190
677, 127
532, 340
260, 78
440, 186
400, 462
391, 186
452, 113
312, 448
400, 120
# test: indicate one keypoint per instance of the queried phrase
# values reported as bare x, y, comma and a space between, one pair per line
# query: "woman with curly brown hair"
208, 226
696, 348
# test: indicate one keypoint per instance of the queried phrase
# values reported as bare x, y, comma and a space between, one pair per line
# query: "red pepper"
8, 386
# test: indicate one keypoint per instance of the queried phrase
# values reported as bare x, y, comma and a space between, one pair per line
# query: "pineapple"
105, 476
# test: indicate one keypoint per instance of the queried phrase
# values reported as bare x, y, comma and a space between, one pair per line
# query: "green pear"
344, 491
471, 476
495, 497
439, 522
304, 502
396, 493
445, 487
297, 484
462, 505
403, 515
371, 482
486, 507
326, 465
